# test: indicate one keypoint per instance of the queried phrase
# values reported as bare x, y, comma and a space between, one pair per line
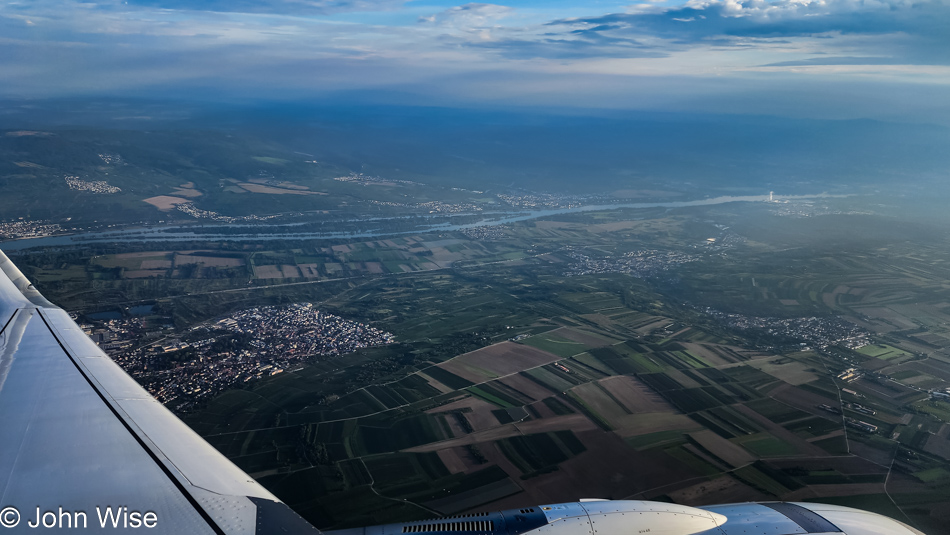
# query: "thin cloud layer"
698, 55
915, 31
473, 19
283, 7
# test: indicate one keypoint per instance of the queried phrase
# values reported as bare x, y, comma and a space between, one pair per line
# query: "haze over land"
429, 151
702, 97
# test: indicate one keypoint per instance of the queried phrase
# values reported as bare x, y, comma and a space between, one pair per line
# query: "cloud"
472, 14
283, 7
470, 20
480, 27
699, 55
569, 49
911, 32
915, 30
867, 60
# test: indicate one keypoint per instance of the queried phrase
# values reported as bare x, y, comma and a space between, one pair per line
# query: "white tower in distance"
770, 195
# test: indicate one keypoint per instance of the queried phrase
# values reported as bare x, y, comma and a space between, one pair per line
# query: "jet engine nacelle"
624, 517
630, 517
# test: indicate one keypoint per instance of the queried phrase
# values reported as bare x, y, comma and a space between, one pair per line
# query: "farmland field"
515, 379
558, 345
499, 360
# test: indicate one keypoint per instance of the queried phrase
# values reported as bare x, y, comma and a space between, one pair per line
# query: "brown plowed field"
781, 433
165, 202
705, 353
458, 460
608, 469
480, 416
584, 337
527, 387
804, 400
156, 264
652, 422
208, 261
637, 397
724, 489
268, 272
723, 449
574, 422
497, 360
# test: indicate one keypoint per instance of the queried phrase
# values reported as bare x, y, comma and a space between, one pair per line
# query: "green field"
659, 438
385, 434
767, 446
560, 346
882, 351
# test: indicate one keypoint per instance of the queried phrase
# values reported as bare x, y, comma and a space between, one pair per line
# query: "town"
815, 332
486, 232
97, 186
366, 180
800, 209
246, 345
549, 200
11, 230
641, 263
192, 210
434, 207
110, 158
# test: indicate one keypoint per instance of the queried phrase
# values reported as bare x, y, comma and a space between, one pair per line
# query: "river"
185, 232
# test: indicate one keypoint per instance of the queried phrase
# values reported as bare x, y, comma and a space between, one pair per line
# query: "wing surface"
77, 434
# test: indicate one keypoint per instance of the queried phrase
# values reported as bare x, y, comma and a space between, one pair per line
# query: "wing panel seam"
9, 321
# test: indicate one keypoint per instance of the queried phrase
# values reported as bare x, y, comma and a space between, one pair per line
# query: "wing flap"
11, 299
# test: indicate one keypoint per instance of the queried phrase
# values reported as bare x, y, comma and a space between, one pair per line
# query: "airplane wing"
82, 445
80, 439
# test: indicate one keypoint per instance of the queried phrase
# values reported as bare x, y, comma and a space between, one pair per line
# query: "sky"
839, 59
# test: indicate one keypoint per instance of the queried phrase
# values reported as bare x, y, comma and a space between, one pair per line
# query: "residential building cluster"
246, 345
10, 230
439, 207
814, 331
727, 240
192, 210
643, 263
119, 335
94, 186
434, 207
809, 209
366, 180
485, 232
546, 200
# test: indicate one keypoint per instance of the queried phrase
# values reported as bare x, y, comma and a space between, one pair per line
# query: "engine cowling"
632, 517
